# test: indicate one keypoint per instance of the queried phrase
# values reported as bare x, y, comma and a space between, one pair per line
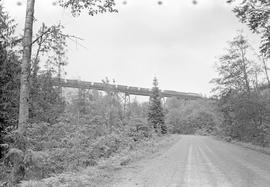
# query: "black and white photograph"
134, 93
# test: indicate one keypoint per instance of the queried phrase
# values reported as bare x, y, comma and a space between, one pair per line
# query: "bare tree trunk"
59, 79
36, 59
266, 71
246, 81
256, 83
244, 68
25, 66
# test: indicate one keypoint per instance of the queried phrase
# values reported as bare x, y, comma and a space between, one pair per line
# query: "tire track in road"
227, 166
191, 177
197, 161
164, 170
217, 176
253, 175
196, 173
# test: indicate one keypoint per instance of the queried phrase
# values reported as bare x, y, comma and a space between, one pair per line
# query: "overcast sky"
177, 42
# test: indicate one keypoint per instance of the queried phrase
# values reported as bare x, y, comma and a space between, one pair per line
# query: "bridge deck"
69, 83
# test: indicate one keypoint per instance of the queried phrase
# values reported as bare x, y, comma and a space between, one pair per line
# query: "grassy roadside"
106, 168
265, 150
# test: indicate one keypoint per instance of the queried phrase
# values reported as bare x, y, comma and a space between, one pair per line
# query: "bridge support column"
126, 102
185, 101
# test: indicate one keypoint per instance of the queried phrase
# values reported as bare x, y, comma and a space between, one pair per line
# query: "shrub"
198, 116
37, 164
72, 144
105, 146
138, 129
246, 118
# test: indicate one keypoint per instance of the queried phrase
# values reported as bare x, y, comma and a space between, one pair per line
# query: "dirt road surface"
199, 161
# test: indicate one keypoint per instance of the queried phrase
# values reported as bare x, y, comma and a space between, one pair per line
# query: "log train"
130, 90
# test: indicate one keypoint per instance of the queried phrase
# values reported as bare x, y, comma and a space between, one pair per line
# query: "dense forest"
239, 107
44, 133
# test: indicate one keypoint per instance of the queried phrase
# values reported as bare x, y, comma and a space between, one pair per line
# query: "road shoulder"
261, 149
109, 171
139, 159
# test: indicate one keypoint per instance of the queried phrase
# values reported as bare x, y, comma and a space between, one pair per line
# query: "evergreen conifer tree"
155, 111
9, 77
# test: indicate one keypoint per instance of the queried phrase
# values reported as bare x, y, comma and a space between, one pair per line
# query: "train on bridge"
129, 90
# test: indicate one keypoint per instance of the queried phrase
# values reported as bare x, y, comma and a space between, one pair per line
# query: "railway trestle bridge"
127, 90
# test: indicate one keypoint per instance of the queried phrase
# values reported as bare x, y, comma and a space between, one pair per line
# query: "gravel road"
199, 161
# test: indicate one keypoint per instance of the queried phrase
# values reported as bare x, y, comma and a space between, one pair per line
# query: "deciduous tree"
256, 14
92, 6
244, 110
234, 68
